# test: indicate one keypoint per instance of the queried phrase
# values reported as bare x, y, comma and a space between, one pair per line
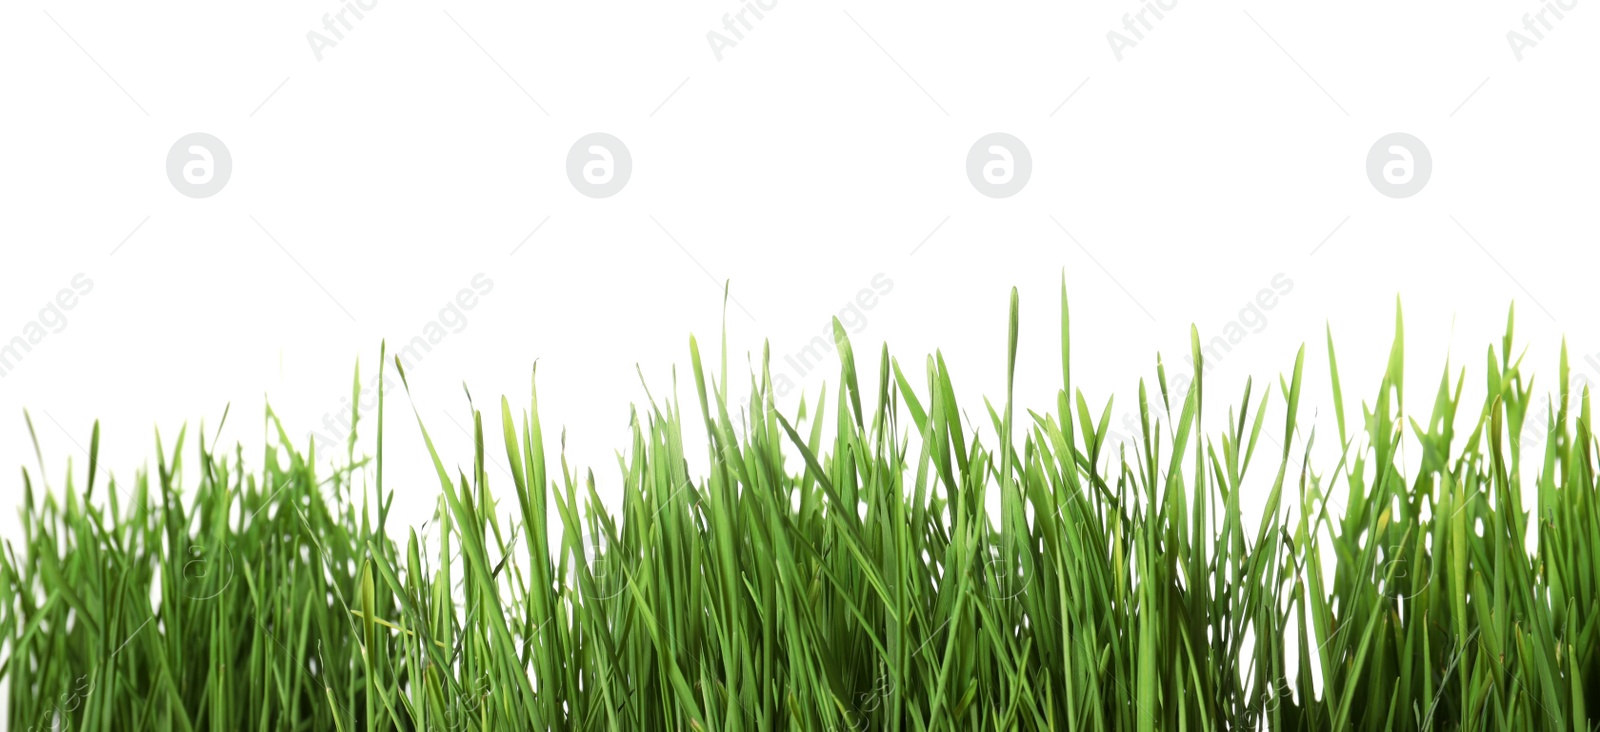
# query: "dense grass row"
839, 570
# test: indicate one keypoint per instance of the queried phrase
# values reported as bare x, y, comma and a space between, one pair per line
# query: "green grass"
837, 569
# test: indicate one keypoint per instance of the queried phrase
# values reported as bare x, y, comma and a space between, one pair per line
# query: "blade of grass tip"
952, 414
913, 405
727, 289
1397, 356
880, 418
1198, 356
216, 438
1011, 378
383, 352
1505, 343
847, 362
355, 414
37, 453
94, 460
1066, 337
1161, 387
1338, 394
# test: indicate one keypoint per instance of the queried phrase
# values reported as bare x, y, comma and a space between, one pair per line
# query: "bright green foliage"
839, 570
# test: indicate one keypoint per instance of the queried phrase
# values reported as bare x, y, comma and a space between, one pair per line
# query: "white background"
824, 149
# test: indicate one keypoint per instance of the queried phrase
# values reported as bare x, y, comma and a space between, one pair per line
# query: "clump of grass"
839, 571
